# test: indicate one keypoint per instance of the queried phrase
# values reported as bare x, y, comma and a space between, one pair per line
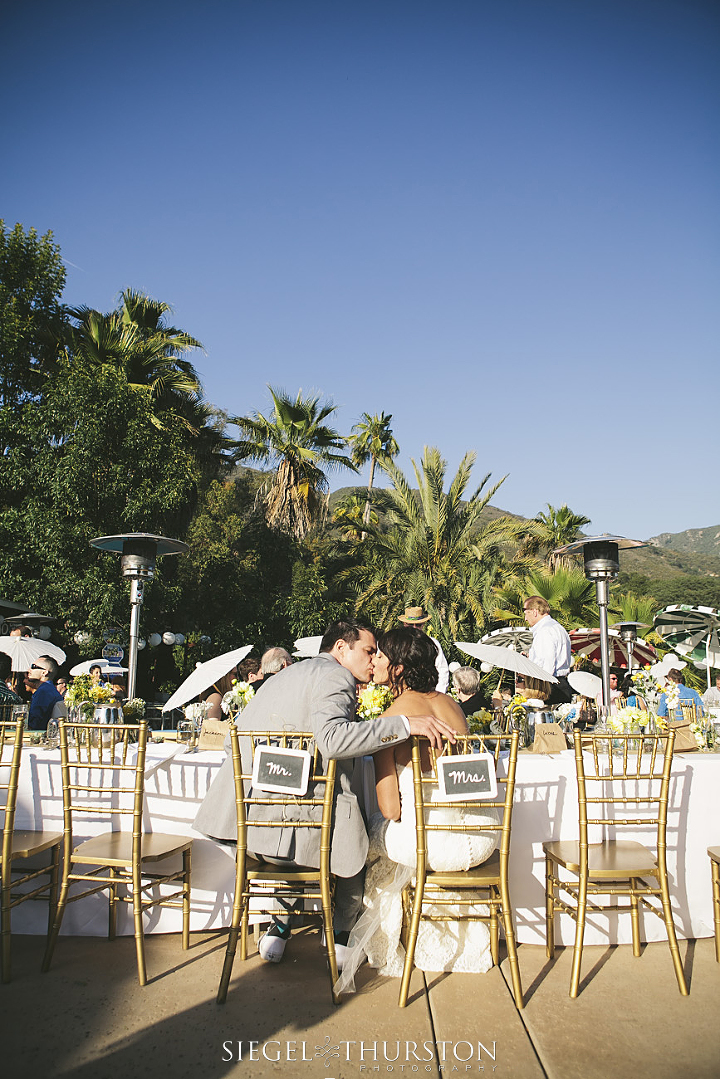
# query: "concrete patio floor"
89, 1018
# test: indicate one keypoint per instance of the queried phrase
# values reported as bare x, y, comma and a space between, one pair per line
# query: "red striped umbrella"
586, 642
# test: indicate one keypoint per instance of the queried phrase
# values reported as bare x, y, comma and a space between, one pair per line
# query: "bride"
406, 661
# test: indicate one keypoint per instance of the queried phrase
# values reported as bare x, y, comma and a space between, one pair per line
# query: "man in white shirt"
550, 648
417, 616
711, 697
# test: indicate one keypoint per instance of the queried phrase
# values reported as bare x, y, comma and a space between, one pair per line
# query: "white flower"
237, 698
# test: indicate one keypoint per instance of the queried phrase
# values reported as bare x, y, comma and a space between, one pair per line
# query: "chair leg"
511, 945
54, 885
494, 931
238, 926
549, 909
112, 904
671, 934
716, 905
186, 898
137, 919
411, 942
5, 922
327, 912
579, 936
57, 922
635, 916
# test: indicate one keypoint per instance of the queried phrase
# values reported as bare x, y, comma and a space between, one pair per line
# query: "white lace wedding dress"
441, 946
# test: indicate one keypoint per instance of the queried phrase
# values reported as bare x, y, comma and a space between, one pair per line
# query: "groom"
318, 695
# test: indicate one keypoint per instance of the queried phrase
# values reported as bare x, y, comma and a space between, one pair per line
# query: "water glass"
20, 714
186, 733
52, 737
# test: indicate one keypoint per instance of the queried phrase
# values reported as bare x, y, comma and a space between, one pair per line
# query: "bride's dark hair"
413, 649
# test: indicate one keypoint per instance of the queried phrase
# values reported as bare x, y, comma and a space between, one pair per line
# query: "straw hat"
414, 616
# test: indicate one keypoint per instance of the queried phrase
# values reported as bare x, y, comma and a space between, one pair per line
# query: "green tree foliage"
84, 461
372, 440
568, 592
136, 339
32, 277
433, 552
237, 576
556, 528
295, 440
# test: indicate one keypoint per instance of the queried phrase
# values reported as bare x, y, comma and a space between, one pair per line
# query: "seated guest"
249, 670
45, 695
215, 693
273, 661
630, 694
711, 698
96, 675
675, 678
61, 685
7, 696
471, 693
117, 686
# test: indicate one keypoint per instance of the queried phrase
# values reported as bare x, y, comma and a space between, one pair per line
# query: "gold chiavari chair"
486, 883
21, 844
259, 881
639, 776
714, 853
101, 780
688, 711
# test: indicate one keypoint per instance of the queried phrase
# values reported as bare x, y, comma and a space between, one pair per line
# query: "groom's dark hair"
345, 629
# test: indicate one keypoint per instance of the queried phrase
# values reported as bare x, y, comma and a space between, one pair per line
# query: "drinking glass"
52, 737
186, 733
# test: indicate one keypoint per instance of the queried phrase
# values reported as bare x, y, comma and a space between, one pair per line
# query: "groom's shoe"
341, 950
272, 944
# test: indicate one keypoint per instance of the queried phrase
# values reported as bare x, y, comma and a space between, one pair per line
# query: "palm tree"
556, 528
136, 339
628, 607
295, 439
372, 440
568, 592
349, 515
434, 551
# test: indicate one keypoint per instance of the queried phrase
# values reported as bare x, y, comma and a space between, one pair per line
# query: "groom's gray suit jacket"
315, 695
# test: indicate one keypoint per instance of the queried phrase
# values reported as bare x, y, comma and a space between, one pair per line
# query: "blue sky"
495, 219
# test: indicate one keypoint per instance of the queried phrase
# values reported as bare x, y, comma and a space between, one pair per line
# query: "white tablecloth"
545, 808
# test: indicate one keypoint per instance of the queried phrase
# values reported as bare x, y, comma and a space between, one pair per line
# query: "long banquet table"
545, 808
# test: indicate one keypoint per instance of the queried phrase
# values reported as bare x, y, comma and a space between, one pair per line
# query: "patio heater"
628, 633
602, 565
139, 552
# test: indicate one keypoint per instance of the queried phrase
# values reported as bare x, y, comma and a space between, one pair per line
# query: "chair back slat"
424, 784
11, 741
643, 761
97, 777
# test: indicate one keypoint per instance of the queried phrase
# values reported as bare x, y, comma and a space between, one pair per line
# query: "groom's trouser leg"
348, 898
348, 901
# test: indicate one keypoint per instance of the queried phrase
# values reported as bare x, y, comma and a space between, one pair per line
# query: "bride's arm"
386, 783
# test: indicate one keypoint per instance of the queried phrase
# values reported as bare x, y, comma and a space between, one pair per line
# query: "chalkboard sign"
281, 771
467, 778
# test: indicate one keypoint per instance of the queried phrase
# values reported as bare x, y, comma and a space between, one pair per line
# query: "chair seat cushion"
607, 861
115, 848
25, 843
479, 876
714, 853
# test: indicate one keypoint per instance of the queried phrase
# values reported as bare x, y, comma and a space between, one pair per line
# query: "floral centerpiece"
373, 700
627, 720
196, 712
237, 698
134, 710
566, 713
647, 687
84, 694
481, 722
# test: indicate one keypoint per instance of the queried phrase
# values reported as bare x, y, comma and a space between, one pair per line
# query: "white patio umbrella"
204, 675
306, 647
25, 650
519, 638
505, 658
106, 667
585, 683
